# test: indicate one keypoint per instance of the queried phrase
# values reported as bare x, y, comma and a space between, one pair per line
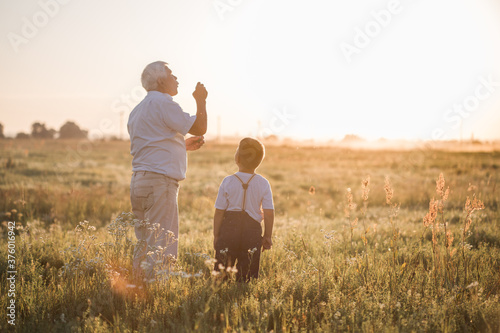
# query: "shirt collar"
158, 93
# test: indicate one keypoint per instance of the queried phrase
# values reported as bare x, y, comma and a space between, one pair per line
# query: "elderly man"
157, 126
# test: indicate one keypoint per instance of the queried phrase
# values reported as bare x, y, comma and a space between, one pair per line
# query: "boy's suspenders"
245, 187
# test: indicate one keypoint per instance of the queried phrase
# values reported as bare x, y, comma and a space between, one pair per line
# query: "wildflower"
389, 192
351, 261
471, 207
20, 202
312, 190
171, 259
171, 235
440, 185
231, 270
441, 192
430, 217
446, 194
449, 239
210, 262
365, 187
472, 188
473, 284
350, 205
145, 265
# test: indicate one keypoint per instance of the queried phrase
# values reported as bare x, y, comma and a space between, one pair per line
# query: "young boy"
243, 200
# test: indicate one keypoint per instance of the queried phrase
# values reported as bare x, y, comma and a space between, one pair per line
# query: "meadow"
364, 241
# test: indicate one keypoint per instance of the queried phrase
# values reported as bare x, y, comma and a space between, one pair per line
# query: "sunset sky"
319, 69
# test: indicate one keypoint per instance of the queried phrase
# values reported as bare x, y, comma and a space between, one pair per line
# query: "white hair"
152, 73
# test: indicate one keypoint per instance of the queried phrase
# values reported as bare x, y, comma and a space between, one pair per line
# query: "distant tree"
70, 130
271, 138
2, 136
352, 138
39, 131
22, 136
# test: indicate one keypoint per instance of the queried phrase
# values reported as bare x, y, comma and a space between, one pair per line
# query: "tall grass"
377, 257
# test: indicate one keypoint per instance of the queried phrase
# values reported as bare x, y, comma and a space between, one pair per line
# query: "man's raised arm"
200, 124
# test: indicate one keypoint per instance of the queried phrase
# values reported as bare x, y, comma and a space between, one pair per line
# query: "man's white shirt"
157, 126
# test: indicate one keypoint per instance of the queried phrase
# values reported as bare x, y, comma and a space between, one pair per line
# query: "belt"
134, 173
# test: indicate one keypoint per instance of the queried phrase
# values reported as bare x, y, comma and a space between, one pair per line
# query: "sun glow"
391, 69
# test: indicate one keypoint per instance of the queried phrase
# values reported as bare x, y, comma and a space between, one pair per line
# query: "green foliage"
70, 130
39, 131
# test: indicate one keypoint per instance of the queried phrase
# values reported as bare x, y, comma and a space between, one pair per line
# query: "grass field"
359, 243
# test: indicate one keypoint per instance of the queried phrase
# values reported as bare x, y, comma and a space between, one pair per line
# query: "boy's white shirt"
259, 194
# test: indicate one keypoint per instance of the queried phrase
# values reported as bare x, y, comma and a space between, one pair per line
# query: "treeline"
69, 130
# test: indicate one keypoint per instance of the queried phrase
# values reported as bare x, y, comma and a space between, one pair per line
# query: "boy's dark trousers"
240, 235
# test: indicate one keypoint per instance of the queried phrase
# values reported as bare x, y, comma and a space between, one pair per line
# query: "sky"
321, 69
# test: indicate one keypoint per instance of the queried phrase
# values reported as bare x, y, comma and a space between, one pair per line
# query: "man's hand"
200, 92
194, 142
200, 124
267, 243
